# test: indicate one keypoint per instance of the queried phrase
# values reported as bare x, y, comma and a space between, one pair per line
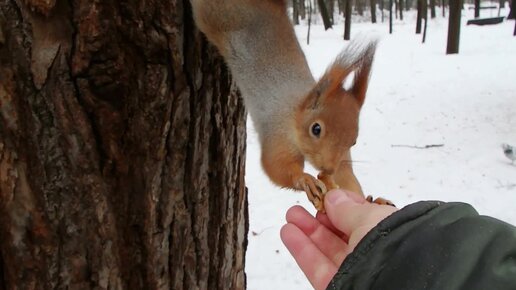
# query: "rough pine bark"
122, 144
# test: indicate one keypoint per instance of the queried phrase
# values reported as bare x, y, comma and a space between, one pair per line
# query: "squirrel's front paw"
314, 188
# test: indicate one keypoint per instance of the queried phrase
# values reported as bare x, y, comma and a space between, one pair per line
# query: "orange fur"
258, 42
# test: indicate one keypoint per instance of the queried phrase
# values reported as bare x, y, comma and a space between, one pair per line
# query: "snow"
417, 96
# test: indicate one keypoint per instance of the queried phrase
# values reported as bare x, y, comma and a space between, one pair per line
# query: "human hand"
319, 245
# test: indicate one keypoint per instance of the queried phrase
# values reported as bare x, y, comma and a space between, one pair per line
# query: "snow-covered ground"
418, 96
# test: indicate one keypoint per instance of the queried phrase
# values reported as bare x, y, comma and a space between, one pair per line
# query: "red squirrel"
296, 118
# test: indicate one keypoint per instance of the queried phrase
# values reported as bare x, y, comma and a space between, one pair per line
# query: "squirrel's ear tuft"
357, 58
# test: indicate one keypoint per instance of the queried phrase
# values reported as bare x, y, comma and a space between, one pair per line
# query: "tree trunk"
122, 145
341, 4
359, 4
390, 16
511, 11
425, 17
295, 12
432, 9
454, 27
347, 20
373, 11
302, 9
309, 22
419, 16
514, 32
324, 14
401, 4
330, 4
444, 8
477, 8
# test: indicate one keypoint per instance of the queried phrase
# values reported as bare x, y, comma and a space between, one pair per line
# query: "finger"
347, 215
325, 240
315, 265
325, 221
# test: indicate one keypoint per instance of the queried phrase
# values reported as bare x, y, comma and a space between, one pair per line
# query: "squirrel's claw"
314, 188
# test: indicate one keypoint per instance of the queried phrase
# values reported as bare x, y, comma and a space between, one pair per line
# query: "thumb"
348, 214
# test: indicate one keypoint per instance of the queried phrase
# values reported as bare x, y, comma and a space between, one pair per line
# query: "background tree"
325, 15
359, 6
390, 16
454, 27
295, 11
425, 17
477, 8
511, 11
122, 146
302, 9
432, 9
330, 4
373, 11
419, 18
401, 8
347, 20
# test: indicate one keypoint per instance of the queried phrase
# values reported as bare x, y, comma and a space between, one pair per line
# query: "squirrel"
296, 118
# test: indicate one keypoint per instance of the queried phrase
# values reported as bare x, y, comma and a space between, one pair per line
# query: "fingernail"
337, 196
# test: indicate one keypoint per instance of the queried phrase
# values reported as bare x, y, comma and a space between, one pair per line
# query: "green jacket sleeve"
433, 245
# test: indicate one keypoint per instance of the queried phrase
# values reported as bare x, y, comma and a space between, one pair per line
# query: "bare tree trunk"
325, 15
122, 145
514, 33
444, 8
390, 16
477, 8
401, 4
373, 11
360, 7
419, 16
309, 21
302, 9
347, 20
295, 11
454, 27
425, 16
408, 4
330, 4
432, 9
511, 12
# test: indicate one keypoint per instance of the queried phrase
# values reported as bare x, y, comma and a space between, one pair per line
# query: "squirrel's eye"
316, 129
